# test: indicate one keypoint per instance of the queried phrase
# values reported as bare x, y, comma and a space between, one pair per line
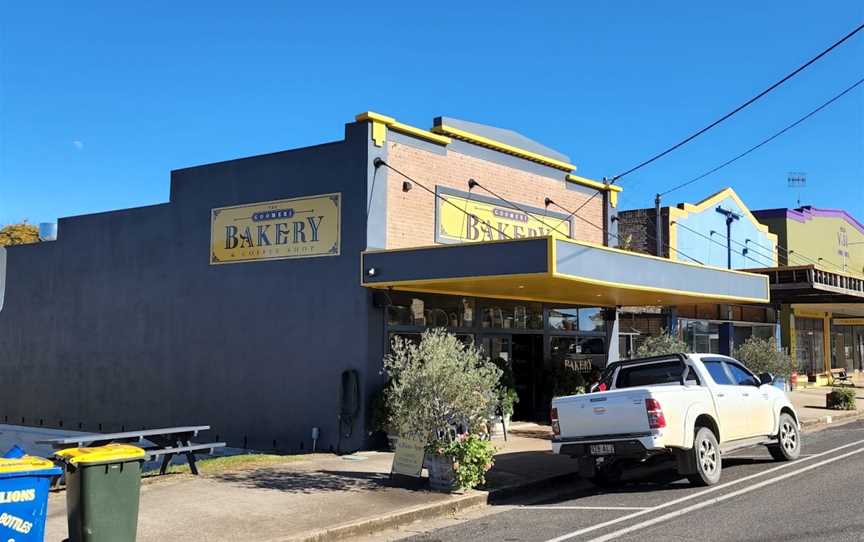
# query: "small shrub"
472, 456
661, 345
841, 399
507, 399
762, 356
439, 387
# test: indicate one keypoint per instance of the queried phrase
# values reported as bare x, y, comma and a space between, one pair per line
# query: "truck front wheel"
788, 446
707, 458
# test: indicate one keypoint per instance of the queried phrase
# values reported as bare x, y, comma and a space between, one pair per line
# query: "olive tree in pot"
764, 358
443, 392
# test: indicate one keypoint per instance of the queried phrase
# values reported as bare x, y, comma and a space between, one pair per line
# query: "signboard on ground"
408, 459
276, 230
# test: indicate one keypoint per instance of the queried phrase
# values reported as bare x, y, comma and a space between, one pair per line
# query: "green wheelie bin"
103, 485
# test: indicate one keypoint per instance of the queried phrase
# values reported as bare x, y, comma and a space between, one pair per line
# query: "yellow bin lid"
101, 454
25, 463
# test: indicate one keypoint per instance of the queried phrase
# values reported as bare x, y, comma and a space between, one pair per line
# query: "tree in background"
762, 356
660, 345
18, 234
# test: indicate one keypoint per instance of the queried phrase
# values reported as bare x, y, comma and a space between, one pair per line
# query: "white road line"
711, 489
716, 500
612, 508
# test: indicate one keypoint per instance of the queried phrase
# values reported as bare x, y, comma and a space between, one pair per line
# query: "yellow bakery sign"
276, 230
463, 217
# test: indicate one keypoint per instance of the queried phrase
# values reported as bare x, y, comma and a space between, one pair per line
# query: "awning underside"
557, 271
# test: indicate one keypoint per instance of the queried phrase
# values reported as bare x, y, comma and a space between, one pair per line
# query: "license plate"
602, 449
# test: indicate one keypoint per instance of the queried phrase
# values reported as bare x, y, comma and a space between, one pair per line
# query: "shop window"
425, 310
577, 319
808, 345
578, 353
701, 336
511, 315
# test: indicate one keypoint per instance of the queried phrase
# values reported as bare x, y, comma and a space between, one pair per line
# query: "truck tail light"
556, 427
656, 420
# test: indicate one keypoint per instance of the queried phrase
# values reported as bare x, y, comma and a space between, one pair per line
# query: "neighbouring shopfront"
721, 231
819, 288
262, 297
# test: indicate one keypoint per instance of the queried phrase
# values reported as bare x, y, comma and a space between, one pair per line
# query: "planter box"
441, 475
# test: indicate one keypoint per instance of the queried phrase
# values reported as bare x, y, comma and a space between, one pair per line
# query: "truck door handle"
721, 395
746, 394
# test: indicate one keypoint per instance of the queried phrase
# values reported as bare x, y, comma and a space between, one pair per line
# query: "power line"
711, 239
550, 201
765, 141
740, 107
378, 162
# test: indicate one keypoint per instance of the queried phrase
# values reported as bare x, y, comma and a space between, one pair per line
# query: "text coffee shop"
262, 297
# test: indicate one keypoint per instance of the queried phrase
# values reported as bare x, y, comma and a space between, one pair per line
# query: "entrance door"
529, 376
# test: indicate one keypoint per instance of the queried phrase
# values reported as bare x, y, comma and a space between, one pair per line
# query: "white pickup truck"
690, 407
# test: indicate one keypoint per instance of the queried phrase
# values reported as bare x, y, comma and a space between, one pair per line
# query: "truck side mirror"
766, 378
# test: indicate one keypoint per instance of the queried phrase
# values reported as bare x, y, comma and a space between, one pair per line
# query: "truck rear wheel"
707, 458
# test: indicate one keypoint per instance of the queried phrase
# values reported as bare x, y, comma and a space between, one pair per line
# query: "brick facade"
411, 215
636, 231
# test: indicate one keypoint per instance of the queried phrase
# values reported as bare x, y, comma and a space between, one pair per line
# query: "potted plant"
442, 392
507, 398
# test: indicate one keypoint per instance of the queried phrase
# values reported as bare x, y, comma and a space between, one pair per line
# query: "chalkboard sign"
408, 459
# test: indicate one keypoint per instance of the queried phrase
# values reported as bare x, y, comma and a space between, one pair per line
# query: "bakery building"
261, 298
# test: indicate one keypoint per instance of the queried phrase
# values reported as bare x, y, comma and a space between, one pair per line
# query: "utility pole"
658, 230
731, 217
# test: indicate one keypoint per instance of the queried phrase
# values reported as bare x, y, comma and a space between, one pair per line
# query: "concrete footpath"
326, 497
322, 497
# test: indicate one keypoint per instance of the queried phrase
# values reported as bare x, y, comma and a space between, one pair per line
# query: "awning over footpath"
808, 284
553, 270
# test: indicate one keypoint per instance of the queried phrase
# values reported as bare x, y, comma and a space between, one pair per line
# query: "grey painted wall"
121, 322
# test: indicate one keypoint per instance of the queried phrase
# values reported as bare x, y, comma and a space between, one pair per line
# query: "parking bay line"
601, 508
712, 489
716, 500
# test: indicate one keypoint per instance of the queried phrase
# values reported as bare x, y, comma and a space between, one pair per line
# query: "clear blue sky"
100, 100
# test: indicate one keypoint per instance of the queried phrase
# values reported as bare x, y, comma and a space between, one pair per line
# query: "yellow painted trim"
420, 133
591, 183
380, 123
613, 199
717, 197
502, 147
674, 214
714, 199
552, 255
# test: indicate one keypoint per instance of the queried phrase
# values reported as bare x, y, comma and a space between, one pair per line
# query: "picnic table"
165, 443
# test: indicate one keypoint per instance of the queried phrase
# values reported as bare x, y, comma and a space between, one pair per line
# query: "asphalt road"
818, 497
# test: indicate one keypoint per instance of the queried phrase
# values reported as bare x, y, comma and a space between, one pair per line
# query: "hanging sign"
462, 217
276, 230
848, 321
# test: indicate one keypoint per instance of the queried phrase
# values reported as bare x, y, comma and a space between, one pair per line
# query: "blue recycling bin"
24, 484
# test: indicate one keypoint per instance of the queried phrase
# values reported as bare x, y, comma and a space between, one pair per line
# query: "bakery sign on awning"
276, 230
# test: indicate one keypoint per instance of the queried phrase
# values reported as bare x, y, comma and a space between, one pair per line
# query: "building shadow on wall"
307, 481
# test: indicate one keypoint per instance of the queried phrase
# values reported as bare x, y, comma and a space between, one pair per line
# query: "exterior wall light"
372, 272
407, 186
